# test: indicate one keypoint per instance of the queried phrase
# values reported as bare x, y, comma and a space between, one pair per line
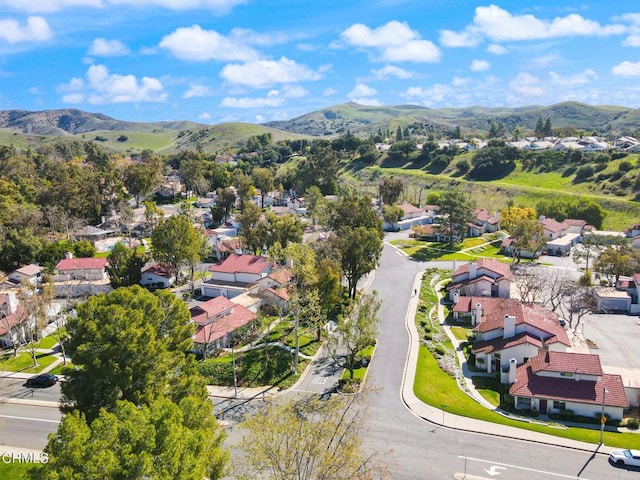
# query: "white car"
625, 457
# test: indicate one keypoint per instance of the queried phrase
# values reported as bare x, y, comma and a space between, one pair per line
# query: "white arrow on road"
493, 471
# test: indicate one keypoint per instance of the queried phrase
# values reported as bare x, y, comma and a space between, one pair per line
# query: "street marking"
494, 470
29, 418
523, 468
319, 380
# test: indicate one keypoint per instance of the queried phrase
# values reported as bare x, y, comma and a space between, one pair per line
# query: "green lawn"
59, 369
52, 339
22, 363
14, 470
436, 388
427, 251
460, 332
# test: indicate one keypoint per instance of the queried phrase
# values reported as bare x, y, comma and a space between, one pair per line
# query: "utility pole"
233, 365
603, 419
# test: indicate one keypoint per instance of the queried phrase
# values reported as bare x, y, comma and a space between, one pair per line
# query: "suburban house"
484, 222
275, 287
624, 297
12, 316
81, 276
554, 381
559, 236
485, 278
432, 232
157, 275
28, 275
412, 216
235, 275
217, 321
505, 329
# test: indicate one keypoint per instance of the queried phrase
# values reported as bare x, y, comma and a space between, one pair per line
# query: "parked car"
42, 380
625, 457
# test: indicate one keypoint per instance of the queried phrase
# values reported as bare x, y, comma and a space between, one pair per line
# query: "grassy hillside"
366, 119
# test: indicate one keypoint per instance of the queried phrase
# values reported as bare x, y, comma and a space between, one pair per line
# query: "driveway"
617, 338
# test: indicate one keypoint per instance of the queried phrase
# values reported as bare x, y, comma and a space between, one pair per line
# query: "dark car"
42, 380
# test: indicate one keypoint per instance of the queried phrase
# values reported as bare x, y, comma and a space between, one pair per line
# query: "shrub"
349, 385
463, 165
428, 337
625, 166
566, 414
440, 350
633, 423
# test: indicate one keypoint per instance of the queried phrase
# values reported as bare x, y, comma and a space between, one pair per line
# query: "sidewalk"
449, 420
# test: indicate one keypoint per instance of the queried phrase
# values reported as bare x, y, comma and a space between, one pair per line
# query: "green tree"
392, 214
329, 285
309, 439
251, 234
281, 230
130, 345
83, 249
152, 214
614, 262
159, 440
263, 181
356, 332
390, 190
124, 267
457, 208
316, 205
360, 249
177, 242
526, 234
140, 180
355, 211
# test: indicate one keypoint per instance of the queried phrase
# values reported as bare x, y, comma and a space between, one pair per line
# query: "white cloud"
251, 37
36, 30
627, 69
480, 66
527, 85
431, 95
47, 6
247, 102
389, 71
101, 47
327, 92
497, 49
197, 45
572, 80
499, 25
632, 41
363, 94
294, 91
449, 38
459, 81
395, 41
101, 87
196, 90
204, 116
264, 73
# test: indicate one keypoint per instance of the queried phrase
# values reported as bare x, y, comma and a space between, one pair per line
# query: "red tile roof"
407, 208
227, 324
484, 216
498, 344
281, 275
158, 269
553, 225
10, 321
81, 263
235, 263
211, 308
490, 264
528, 384
587, 364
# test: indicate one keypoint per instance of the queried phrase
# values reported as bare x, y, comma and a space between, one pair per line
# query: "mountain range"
27, 128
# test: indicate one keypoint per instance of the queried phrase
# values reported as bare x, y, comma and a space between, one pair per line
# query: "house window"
566, 374
559, 405
525, 359
523, 402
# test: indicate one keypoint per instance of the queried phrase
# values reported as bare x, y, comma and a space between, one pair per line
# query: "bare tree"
8, 324
530, 283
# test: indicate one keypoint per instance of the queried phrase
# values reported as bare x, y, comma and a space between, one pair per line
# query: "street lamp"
603, 419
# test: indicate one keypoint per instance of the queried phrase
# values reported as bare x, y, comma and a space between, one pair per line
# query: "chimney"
513, 364
473, 270
478, 314
453, 266
12, 302
456, 296
509, 329
68, 255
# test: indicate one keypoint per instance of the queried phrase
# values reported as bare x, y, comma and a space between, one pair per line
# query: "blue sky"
214, 61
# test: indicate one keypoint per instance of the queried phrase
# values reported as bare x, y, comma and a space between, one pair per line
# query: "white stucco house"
485, 277
554, 381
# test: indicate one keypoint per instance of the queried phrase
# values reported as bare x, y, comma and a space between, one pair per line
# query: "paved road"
27, 426
14, 388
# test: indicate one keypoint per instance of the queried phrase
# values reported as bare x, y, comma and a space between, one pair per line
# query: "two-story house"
484, 278
81, 276
507, 329
27, 275
559, 235
553, 381
217, 321
412, 216
484, 222
235, 275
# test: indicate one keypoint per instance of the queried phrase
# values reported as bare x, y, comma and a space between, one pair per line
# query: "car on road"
42, 380
625, 457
